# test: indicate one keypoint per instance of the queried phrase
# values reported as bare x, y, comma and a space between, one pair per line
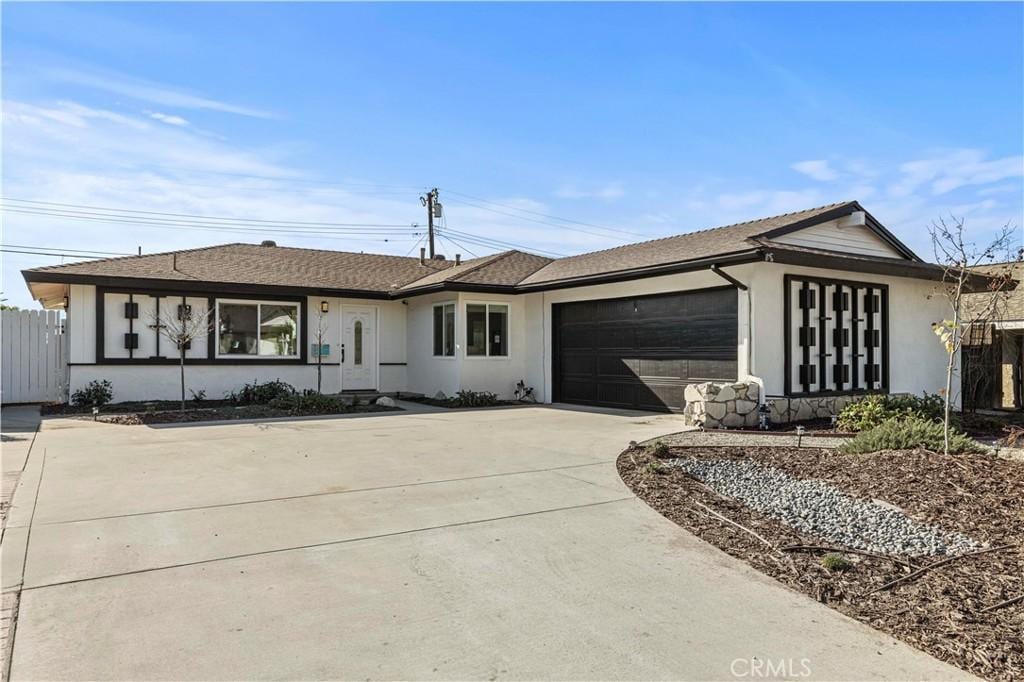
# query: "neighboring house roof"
251, 267
1011, 309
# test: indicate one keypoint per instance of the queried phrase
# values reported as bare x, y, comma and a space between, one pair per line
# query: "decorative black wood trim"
881, 358
838, 345
854, 352
805, 312
211, 358
131, 331
390, 364
157, 322
885, 338
822, 311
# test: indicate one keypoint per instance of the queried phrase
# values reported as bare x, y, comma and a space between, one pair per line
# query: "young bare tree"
181, 325
974, 297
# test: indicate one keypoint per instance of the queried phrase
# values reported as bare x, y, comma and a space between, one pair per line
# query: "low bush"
907, 433
474, 399
261, 394
871, 411
835, 563
659, 450
309, 402
93, 394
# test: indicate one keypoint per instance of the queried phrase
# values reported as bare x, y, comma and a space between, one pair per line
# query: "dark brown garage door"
641, 352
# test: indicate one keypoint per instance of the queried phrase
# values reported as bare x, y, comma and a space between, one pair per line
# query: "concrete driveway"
456, 545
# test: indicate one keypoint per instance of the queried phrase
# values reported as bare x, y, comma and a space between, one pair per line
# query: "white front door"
358, 348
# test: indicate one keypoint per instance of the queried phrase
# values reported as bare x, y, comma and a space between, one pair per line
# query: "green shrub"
309, 402
871, 411
261, 394
474, 399
656, 467
659, 450
907, 433
93, 394
835, 563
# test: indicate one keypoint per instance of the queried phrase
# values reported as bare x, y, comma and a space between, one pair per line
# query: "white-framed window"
487, 330
444, 329
257, 329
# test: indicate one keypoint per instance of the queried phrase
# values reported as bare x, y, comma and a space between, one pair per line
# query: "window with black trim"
487, 329
257, 329
837, 336
444, 329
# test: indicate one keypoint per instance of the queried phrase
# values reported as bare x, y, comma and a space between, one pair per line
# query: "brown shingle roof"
506, 268
252, 265
260, 265
691, 246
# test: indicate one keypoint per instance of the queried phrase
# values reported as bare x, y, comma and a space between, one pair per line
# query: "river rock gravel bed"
821, 509
947, 612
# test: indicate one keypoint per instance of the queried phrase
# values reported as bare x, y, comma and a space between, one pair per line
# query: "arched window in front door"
357, 343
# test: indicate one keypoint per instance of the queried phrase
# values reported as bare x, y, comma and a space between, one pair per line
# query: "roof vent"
439, 256
268, 242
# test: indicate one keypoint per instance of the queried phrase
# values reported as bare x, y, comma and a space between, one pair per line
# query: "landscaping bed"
169, 412
904, 509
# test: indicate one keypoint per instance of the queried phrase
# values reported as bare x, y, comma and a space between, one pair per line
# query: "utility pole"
430, 201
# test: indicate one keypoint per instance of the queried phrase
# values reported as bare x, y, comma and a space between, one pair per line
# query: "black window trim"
455, 328
487, 330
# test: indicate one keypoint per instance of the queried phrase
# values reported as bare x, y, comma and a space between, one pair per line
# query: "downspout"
715, 268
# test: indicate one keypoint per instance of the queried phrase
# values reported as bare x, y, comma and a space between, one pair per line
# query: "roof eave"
732, 258
189, 285
875, 266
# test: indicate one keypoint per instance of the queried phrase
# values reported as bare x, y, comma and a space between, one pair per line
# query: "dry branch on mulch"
966, 612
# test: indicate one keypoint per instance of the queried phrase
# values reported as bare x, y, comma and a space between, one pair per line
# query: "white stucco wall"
425, 373
405, 335
916, 359
160, 382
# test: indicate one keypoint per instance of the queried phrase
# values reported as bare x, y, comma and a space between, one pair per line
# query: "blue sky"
646, 119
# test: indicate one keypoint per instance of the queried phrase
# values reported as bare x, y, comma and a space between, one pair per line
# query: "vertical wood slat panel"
33, 366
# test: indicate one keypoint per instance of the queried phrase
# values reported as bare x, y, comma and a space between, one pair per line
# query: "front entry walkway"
449, 545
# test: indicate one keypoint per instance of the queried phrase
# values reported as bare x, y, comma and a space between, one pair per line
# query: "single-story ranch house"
804, 306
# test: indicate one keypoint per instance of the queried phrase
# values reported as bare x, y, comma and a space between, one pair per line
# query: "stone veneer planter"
734, 405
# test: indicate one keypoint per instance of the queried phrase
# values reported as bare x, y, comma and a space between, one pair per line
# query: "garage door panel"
642, 352
712, 370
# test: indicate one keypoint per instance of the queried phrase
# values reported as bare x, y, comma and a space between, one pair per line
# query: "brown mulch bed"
205, 414
940, 611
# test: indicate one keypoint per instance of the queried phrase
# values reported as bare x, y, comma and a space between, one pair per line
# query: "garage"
641, 352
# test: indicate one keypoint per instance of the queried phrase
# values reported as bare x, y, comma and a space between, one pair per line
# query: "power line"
49, 248
5, 249
457, 245
114, 211
497, 243
545, 215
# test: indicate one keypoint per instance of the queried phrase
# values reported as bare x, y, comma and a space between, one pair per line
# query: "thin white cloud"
816, 169
147, 91
608, 192
169, 119
952, 170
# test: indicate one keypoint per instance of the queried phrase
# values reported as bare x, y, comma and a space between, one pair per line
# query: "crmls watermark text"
779, 668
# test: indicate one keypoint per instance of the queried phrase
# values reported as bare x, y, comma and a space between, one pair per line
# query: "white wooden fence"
33, 363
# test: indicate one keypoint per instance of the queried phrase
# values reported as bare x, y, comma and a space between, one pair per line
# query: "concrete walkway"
442, 545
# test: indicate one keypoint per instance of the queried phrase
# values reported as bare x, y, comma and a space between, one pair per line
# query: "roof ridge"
306, 248
494, 258
139, 255
488, 259
710, 229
